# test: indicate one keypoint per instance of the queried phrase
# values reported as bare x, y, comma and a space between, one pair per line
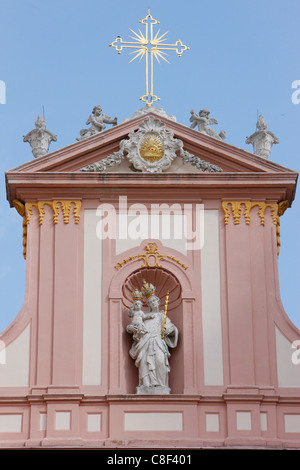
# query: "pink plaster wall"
54, 307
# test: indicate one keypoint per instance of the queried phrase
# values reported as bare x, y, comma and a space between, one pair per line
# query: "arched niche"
164, 281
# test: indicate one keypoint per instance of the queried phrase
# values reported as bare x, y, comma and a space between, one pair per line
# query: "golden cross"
145, 45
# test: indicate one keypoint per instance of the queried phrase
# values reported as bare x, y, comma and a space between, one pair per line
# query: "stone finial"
262, 140
203, 122
39, 138
97, 121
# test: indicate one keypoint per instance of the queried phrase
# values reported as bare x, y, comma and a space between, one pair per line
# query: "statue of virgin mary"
152, 339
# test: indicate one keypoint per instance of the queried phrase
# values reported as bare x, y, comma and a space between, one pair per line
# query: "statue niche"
164, 281
153, 334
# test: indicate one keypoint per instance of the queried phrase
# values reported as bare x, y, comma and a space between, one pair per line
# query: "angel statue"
97, 121
152, 333
203, 121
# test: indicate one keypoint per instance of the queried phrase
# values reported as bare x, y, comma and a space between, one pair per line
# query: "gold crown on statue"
137, 295
148, 289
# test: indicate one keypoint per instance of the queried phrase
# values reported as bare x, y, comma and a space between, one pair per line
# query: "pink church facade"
67, 379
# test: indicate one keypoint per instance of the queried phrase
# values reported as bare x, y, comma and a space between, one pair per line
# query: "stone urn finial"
39, 138
262, 140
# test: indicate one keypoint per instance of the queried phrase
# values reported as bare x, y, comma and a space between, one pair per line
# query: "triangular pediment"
194, 158
101, 146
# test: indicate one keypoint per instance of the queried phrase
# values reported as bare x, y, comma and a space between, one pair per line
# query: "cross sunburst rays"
156, 42
143, 42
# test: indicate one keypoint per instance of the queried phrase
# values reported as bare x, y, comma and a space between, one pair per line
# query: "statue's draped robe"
151, 352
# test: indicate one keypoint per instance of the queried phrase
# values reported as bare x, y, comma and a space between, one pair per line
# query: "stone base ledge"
157, 390
136, 444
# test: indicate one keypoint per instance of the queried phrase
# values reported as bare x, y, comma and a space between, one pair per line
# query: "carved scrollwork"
114, 159
201, 165
151, 258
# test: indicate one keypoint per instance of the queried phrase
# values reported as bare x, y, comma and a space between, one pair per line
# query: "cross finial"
149, 45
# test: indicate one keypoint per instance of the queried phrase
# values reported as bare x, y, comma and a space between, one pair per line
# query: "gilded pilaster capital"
277, 210
65, 207
26, 211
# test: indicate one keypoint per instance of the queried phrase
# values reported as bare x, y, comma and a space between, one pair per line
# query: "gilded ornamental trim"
277, 210
65, 206
26, 211
151, 258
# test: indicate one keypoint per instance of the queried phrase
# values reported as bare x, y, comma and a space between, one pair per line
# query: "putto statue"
97, 121
152, 333
39, 138
203, 121
262, 140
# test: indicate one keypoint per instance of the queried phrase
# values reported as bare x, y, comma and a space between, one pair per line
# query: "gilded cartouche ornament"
151, 148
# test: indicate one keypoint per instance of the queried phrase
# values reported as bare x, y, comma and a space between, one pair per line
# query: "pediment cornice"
274, 187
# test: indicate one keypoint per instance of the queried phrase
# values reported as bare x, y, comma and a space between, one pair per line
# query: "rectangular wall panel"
211, 300
153, 422
292, 423
11, 422
287, 356
14, 363
170, 229
92, 300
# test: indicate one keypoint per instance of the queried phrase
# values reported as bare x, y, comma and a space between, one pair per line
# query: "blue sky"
55, 59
